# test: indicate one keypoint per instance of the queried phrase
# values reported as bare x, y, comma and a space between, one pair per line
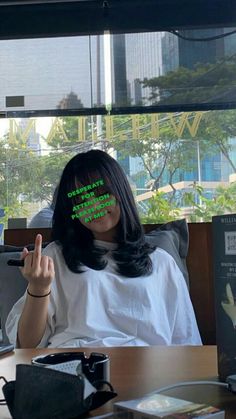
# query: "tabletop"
136, 371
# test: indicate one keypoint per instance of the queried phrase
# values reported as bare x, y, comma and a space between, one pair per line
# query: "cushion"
12, 282
173, 237
12, 287
9, 248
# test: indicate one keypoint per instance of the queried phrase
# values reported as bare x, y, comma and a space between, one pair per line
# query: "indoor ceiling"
39, 18
27, 2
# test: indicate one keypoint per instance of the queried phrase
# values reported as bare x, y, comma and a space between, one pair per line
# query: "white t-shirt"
103, 308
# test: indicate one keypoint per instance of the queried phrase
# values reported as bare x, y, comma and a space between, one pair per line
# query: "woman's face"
98, 210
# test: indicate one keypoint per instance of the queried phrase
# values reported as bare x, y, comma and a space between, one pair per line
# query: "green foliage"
26, 177
13, 211
160, 210
205, 82
51, 167
216, 128
159, 154
224, 202
19, 168
67, 131
202, 209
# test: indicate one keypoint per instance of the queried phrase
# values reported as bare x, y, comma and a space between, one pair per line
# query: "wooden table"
136, 371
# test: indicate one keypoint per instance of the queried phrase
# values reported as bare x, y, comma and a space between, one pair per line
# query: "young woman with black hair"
98, 283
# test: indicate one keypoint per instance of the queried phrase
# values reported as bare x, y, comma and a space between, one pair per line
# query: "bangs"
89, 176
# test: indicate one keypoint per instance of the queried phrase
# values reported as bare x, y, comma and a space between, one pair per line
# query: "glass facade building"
45, 71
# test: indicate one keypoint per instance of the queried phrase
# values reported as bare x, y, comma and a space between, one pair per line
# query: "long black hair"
132, 254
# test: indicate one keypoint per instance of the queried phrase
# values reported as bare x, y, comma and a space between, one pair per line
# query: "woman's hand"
38, 269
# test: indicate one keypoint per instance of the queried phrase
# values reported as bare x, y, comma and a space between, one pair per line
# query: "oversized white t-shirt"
103, 308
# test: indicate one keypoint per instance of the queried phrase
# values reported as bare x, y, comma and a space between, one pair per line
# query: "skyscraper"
46, 70
134, 57
143, 60
178, 52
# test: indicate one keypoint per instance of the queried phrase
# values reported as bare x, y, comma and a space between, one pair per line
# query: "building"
143, 60
134, 57
118, 67
153, 54
70, 101
51, 68
25, 128
177, 52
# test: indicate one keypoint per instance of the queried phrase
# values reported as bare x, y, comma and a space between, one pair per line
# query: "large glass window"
51, 74
164, 71
178, 164
163, 104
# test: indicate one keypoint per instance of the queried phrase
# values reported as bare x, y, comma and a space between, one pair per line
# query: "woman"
99, 283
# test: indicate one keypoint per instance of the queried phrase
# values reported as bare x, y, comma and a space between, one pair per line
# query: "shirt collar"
107, 245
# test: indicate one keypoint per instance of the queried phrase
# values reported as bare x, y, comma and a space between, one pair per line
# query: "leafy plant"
160, 210
203, 208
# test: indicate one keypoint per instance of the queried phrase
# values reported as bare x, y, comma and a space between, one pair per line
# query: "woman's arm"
39, 271
32, 323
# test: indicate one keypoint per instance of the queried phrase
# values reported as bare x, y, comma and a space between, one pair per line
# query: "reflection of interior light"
154, 404
160, 403
107, 69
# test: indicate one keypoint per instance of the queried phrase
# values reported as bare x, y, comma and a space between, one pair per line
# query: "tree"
18, 171
223, 202
26, 177
217, 128
162, 156
166, 144
160, 210
204, 83
51, 168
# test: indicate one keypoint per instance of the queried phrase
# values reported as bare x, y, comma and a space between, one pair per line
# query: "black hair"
132, 254
54, 197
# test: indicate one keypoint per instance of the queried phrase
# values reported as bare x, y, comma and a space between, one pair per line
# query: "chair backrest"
24, 236
12, 287
199, 263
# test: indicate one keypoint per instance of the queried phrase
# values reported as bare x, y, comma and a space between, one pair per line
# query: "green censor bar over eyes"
88, 211
93, 201
95, 216
86, 188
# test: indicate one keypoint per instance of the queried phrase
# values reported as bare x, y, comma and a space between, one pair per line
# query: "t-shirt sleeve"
185, 328
15, 313
177, 307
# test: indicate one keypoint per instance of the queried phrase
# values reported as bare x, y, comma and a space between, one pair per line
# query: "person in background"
99, 283
43, 218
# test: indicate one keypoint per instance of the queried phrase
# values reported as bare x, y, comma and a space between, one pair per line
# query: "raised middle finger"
37, 252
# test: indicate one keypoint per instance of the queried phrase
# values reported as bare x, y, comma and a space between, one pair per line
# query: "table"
136, 371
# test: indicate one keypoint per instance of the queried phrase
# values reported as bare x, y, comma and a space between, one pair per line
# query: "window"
162, 104
178, 164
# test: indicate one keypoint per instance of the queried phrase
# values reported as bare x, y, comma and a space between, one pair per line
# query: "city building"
178, 52
143, 60
49, 70
149, 55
